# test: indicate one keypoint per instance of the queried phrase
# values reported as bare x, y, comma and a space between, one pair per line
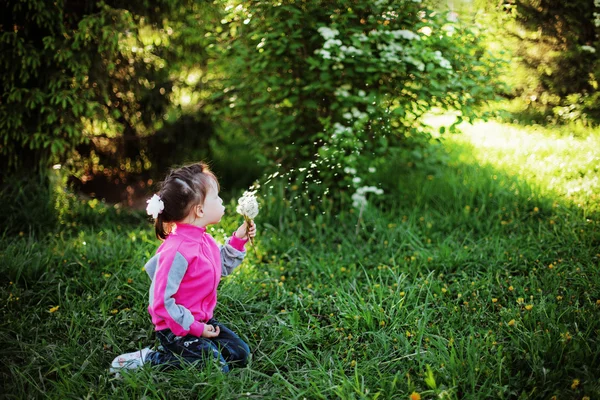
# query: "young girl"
185, 273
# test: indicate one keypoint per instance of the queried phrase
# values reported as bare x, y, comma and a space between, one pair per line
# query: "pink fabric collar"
189, 231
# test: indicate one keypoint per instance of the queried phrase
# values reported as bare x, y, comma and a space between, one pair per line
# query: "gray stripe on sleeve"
150, 269
178, 313
230, 258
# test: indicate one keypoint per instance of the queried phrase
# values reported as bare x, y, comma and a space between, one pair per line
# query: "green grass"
480, 266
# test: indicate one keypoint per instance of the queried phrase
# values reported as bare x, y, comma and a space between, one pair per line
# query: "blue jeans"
227, 348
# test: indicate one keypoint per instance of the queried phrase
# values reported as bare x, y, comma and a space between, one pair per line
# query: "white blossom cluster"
332, 42
404, 34
388, 43
398, 34
589, 49
343, 91
361, 37
359, 199
391, 51
328, 33
355, 113
417, 63
339, 129
335, 45
441, 60
350, 50
335, 49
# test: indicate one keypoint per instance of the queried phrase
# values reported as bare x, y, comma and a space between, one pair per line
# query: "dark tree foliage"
564, 27
559, 47
72, 70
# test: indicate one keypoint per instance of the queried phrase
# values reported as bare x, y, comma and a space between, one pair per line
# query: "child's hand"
210, 331
243, 232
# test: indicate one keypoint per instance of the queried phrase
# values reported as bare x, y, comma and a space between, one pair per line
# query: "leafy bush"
555, 46
27, 206
35, 206
72, 71
345, 81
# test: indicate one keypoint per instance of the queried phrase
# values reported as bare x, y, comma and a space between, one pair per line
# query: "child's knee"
243, 354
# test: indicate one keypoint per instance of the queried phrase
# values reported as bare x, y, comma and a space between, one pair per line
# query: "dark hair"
182, 189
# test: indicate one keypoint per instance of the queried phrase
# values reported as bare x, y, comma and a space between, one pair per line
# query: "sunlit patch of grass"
560, 164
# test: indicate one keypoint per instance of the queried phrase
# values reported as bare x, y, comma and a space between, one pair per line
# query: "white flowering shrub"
346, 80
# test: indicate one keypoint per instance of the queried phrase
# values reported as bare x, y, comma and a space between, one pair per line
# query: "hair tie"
155, 206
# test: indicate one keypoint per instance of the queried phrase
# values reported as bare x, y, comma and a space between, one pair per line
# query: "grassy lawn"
477, 278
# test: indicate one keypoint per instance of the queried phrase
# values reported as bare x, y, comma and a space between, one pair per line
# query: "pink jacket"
185, 273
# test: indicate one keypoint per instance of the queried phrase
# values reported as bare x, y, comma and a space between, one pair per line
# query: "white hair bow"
155, 206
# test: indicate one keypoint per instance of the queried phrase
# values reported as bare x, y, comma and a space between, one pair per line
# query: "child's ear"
199, 212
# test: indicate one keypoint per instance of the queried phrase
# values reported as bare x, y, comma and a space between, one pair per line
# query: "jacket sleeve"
168, 275
232, 254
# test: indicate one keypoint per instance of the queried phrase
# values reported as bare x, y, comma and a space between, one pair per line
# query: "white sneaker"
129, 361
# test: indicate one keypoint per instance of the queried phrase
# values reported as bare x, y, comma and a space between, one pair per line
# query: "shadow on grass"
461, 201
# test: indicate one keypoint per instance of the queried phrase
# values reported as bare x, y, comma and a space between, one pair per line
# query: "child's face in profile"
213, 208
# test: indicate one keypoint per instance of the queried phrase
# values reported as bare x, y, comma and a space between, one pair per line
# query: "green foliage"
73, 74
27, 206
559, 30
346, 79
555, 47
115, 91
37, 206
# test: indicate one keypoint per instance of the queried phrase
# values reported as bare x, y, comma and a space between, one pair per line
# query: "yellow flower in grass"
53, 309
575, 384
494, 300
566, 336
528, 307
415, 396
511, 322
